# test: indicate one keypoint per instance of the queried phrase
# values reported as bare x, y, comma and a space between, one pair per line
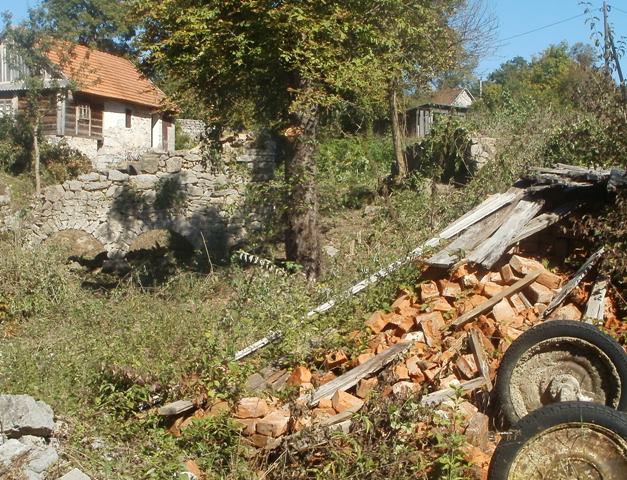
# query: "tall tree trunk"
36, 157
397, 137
302, 239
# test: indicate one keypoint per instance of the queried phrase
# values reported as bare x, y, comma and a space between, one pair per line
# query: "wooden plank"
480, 357
176, 408
572, 283
472, 237
271, 337
487, 305
545, 220
491, 250
490, 205
618, 178
595, 308
449, 393
352, 377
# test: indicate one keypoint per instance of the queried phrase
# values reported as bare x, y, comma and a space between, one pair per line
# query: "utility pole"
610, 50
606, 39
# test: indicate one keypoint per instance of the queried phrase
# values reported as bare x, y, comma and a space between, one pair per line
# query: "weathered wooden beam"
572, 283
545, 220
448, 393
491, 250
618, 179
480, 357
175, 408
595, 308
353, 376
488, 304
472, 237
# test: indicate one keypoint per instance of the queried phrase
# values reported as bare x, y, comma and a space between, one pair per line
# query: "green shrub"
182, 141
62, 162
350, 170
14, 145
444, 154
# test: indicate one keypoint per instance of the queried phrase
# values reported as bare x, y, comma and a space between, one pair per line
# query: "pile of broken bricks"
447, 336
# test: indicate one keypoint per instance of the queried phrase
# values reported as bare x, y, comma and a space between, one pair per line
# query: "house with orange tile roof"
449, 101
112, 114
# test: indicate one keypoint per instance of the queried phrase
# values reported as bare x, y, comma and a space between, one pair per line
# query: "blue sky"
519, 16
514, 17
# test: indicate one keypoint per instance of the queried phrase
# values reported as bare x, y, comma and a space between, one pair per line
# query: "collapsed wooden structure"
448, 336
539, 200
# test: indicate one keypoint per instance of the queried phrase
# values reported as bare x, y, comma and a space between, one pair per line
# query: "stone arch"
159, 242
78, 245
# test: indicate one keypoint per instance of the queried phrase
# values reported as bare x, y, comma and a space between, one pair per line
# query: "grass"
76, 348
22, 189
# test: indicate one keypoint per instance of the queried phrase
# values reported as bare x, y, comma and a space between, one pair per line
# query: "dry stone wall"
185, 192
194, 129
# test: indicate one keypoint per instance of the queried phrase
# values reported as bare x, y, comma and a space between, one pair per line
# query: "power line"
618, 9
542, 28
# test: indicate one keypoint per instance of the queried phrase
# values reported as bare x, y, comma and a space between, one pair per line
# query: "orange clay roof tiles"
107, 75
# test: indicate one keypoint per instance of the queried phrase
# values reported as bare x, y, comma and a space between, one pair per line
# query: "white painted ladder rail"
487, 207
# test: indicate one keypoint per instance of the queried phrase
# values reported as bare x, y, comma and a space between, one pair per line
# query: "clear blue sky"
514, 17
519, 16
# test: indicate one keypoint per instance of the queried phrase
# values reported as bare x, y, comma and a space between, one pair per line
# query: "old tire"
552, 349
563, 441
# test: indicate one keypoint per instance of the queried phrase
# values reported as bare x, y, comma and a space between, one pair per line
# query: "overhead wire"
541, 28
618, 9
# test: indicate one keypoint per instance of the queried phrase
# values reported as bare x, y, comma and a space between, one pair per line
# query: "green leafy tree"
557, 75
103, 24
282, 64
41, 81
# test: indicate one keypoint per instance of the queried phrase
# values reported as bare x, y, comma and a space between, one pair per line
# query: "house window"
6, 107
84, 112
129, 114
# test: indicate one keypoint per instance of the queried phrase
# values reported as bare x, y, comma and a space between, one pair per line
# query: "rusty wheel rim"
572, 451
533, 380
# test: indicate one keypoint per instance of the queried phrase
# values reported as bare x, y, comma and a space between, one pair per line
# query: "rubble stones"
75, 474
27, 421
343, 401
23, 415
539, 293
273, 425
525, 265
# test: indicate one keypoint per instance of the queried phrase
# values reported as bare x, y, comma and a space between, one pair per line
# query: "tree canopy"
281, 64
555, 75
103, 24
253, 58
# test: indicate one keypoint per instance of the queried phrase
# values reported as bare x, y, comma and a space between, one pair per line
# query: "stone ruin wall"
194, 129
180, 191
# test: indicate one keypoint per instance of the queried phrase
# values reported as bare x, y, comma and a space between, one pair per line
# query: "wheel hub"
561, 369
566, 388
572, 451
